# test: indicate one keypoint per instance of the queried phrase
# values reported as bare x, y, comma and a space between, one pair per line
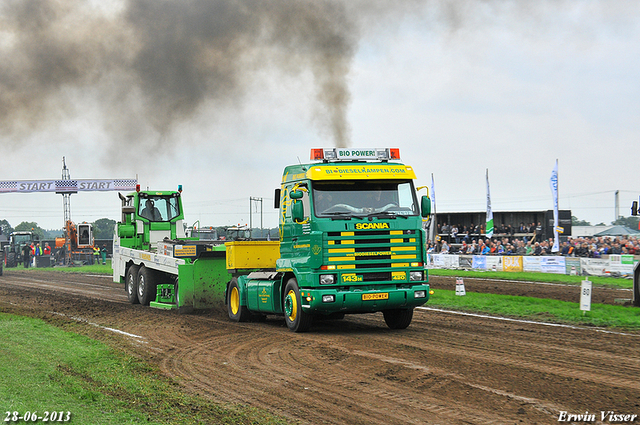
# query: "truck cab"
155, 260
150, 216
351, 241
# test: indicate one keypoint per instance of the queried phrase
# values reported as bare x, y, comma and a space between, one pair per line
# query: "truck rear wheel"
146, 286
132, 284
237, 312
398, 319
296, 319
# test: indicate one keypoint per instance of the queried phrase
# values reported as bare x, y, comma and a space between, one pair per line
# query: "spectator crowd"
526, 240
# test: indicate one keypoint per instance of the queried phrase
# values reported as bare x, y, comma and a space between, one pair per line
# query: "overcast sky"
220, 97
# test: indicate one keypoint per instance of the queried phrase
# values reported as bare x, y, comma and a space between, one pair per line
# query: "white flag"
433, 193
489, 227
553, 182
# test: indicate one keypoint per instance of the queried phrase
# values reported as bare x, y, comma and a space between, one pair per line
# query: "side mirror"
276, 199
634, 208
297, 210
296, 194
425, 206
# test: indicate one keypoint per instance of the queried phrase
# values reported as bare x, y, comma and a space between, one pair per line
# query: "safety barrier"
613, 265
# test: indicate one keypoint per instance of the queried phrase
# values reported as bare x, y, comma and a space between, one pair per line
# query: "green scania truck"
351, 241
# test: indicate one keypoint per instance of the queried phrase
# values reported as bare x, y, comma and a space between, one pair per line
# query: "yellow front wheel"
237, 312
297, 320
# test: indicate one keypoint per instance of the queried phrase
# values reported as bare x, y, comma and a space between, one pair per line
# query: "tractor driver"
150, 211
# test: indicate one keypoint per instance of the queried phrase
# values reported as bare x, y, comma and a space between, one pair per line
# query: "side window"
285, 203
306, 203
405, 197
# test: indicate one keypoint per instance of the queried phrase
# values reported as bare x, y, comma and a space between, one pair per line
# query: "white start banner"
66, 186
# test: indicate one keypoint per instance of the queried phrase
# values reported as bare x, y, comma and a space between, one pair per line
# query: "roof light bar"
345, 154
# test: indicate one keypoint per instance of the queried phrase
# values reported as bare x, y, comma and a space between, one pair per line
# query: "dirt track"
444, 369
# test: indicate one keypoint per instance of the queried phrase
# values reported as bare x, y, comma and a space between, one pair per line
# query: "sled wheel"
132, 284
146, 286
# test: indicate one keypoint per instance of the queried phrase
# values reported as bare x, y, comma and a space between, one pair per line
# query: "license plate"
377, 296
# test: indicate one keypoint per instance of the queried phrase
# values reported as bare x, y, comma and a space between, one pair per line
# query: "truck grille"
357, 251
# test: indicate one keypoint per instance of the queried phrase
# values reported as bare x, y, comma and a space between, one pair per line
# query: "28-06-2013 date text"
46, 416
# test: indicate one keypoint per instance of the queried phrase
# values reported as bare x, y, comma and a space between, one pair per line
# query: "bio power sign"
364, 154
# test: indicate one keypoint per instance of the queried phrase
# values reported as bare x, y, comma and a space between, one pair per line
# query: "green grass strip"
545, 310
611, 282
102, 269
44, 368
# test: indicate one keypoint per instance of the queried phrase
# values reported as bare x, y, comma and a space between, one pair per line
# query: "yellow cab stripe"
360, 172
402, 257
338, 250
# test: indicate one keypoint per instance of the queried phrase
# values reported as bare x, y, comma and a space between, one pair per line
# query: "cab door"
294, 234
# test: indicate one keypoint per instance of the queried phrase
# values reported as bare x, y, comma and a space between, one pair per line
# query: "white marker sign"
585, 295
460, 287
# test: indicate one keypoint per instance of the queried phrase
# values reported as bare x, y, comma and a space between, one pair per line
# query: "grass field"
611, 282
46, 369
513, 306
93, 269
544, 310
615, 316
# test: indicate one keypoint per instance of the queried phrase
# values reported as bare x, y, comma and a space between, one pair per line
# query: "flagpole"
435, 218
489, 219
553, 182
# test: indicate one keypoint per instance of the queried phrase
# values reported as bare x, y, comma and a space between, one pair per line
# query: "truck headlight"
420, 294
328, 298
327, 279
416, 276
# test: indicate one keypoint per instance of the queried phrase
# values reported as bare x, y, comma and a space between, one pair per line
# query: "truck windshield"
158, 208
364, 197
21, 238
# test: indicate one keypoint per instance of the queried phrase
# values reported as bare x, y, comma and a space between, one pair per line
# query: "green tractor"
17, 242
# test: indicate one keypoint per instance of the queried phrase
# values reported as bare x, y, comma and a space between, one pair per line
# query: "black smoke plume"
153, 64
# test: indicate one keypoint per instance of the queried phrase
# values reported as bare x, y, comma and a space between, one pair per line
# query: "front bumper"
362, 300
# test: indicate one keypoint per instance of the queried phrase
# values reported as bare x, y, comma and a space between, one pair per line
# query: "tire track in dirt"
60, 283
557, 356
272, 363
